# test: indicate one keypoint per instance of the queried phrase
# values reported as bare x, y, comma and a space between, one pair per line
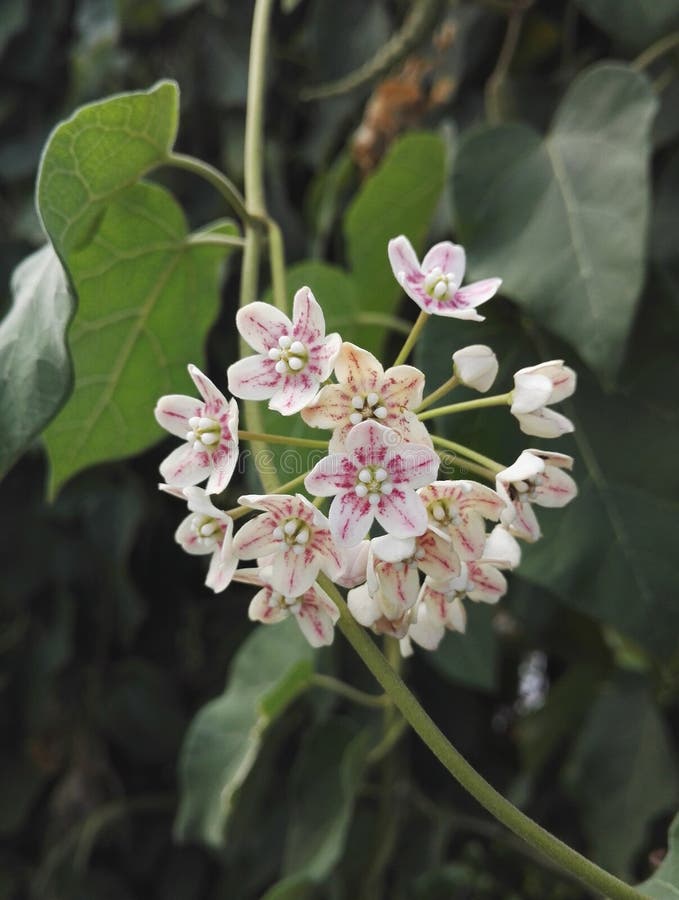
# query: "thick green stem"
480, 403
445, 388
217, 179
587, 872
467, 452
412, 338
282, 439
277, 265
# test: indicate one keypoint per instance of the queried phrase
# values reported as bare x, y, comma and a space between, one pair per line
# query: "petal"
521, 521
469, 537
335, 472
476, 367
328, 556
487, 584
427, 631
199, 501
403, 385
315, 623
440, 561
222, 566
322, 356
411, 464
526, 467
308, 323
293, 573
545, 423
215, 401
399, 586
556, 488
404, 262
253, 378
449, 257
259, 609
185, 466
255, 538
531, 392
350, 518
456, 618
369, 442
473, 295
223, 462
401, 513
187, 539
501, 547
294, 393
363, 607
388, 548
450, 310
261, 324
354, 564
173, 412
330, 408
358, 369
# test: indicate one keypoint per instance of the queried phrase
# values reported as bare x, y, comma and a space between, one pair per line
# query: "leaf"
147, 295
664, 884
471, 658
549, 217
400, 198
622, 772
270, 669
35, 369
634, 23
325, 779
101, 150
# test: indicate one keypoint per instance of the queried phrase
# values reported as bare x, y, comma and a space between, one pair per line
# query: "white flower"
534, 388
476, 367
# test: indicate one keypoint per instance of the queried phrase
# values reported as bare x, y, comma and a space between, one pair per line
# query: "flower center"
441, 285
291, 356
278, 601
444, 513
373, 482
367, 406
209, 532
205, 433
294, 532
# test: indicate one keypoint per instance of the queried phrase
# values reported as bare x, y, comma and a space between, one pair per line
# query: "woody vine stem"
258, 228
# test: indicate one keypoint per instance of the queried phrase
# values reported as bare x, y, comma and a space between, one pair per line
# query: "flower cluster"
411, 548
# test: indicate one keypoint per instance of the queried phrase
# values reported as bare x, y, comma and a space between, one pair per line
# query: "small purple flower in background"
436, 284
210, 430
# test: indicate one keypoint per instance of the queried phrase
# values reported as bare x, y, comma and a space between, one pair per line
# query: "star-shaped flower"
206, 530
210, 430
537, 477
314, 611
436, 284
366, 391
374, 479
295, 535
292, 358
457, 509
534, 388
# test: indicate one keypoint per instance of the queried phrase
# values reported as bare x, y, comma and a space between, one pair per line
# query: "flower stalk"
479, 403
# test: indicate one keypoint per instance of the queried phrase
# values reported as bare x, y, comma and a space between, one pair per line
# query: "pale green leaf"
271, 668
634, 23
664, 885
147, 294
399, 198
35, 370
622, 772
550, 218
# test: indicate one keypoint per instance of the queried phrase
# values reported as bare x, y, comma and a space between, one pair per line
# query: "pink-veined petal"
469, 537
329, 557
253, 378
261, 325
260, 609
440, 561
294, 392
335, 472
307, 317
315, 622
222, 566
215, 401
411, 464
173, 412
521, 521
358, 369
404, 262
399, 586
449, 257
323, 356
255, 538
473, 295
350, 518
223, 463
545, 423
189, 541
556, 488
186, 466
486, 583
401, 513
293, 573
331, 408
403, 385
369, 443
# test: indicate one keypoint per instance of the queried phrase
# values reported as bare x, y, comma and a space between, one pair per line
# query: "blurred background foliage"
544, 137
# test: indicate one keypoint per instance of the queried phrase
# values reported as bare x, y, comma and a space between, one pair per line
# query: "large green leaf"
148, 292
35, 370
102, 149
622, 772
548, 215
634, 23
400, 198
271, 668
664, 885
471, 658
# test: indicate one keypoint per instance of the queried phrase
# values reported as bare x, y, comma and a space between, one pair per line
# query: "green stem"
482, 460
412, 338
217, 240
254, 194
382, 320
480, 403
217, 179
277, 264
655, 51
282, 439
328, 683
466, 465
445, 388
493, 89
586, 871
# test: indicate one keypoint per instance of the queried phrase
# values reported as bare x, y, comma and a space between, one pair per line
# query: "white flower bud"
476, 367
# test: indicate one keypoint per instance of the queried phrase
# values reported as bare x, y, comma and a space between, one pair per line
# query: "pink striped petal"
335, 472
187, 538
331, 408
292, 574
222, 566
350, 518
412, 464
545, 423
521, 521
556, 488
401, 513
215, 401
402, 385
399, 585
322, 356
173, 412
358, 369
253, 378
368, 443
440, 561
449, 257
473, 295
261, 324
316, 617
255, 538
404, 262
223, 462
486, 583
307, 317
294, 393
259, 609
469, 537
186, 466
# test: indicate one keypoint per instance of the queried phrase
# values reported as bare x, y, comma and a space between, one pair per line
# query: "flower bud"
475, 366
